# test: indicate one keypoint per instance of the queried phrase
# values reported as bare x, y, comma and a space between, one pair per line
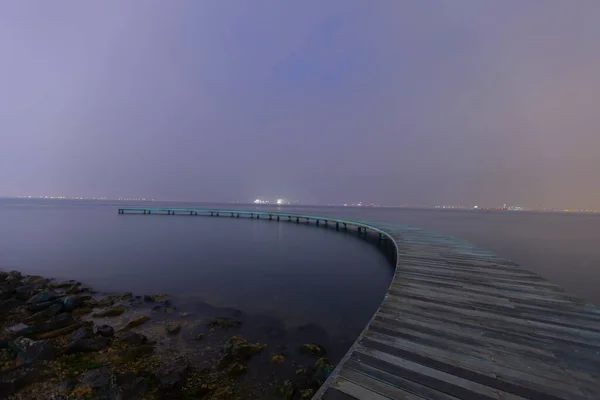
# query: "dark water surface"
296, 273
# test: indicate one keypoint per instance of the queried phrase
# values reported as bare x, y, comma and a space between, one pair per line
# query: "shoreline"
63, 340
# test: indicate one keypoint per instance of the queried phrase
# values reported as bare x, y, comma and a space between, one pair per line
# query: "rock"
29, 351
224, 323
323, 368
62, 331
34, 280
173, 376
314, 349
9, 305
24, 292
43, 315
87, 345
42, 297
3, 276
58, 321
102, 383
172, 329
134, 339
81, 311
136, 322
200, 336
14, 276
287, 389
239, 349
111, 312
74, 301
60, 285
237, 369
133, 353
85, 332
277, 359
105, 331
16, 379
131, 386
307, 394
148, 299
300, 372
35, 307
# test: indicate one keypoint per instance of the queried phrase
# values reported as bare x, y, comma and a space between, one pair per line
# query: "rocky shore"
62, 340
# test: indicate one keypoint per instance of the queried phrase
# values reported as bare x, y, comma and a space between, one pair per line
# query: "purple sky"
469, 102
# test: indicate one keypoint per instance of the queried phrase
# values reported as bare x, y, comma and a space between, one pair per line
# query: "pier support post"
326, 223
191, 213
289, 218
257, 216
270, 217
297, 220
238, 215
211, 213
144, 211
251, 215
278, 218
317, 222
345, 227
231, 215
196, 213
149, 211
337, 226
307, 220
217, 214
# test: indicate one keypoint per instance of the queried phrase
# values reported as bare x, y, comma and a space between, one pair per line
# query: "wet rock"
111, 312
133, 339
312, 348
43, 297
307, 394
236, 369
172, 329
131, 387
3, 276
24, 292
172, 377
29, 351
58, 321
136, 322
72, 302
85, 332
200, 336
149, 299
62, 331
87, 345
102, 383
105, 331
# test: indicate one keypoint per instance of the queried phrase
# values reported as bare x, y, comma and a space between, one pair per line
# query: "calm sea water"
293, 272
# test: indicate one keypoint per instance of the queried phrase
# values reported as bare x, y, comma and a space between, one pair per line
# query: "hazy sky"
392, 101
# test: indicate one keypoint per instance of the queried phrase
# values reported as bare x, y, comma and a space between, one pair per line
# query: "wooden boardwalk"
459, 322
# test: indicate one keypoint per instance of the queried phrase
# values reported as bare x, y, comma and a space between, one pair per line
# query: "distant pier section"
457, 322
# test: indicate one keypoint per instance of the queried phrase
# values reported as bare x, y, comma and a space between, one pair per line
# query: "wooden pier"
459, 322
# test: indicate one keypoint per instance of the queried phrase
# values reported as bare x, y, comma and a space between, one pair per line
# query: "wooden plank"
363, 387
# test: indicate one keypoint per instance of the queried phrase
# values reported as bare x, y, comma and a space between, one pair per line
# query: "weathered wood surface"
459, 322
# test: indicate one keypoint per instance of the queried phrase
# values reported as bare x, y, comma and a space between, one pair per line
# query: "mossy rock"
241, 349
313, 349
200, 336
111, 312
136, 322
237, 369
81, 311
173, 329
224, 323
307, 393
277, 359
287, 390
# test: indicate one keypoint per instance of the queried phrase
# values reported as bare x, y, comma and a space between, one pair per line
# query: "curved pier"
459, 322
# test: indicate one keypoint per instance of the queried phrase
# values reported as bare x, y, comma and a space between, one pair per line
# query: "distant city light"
279, 201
